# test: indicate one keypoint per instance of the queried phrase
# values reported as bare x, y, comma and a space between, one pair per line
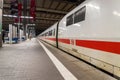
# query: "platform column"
25, 3
0, 35
0, 40
1, 10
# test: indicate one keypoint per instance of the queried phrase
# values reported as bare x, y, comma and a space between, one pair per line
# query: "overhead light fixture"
27, 17
5, 15
31, 24
9, 16
13, 16
18, 23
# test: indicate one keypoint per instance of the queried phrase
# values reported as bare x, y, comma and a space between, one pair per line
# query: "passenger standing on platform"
30, 36
3, 35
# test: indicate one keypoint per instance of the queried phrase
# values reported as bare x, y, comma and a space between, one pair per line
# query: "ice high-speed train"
91, 32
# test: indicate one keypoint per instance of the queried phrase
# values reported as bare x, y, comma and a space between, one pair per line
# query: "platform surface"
26, 61
29, 61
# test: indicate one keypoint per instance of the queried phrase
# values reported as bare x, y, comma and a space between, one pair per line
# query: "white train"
91, 32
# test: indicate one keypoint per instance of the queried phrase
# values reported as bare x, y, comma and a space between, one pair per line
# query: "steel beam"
50, 10
25, 14
11, 21
6, 6
38, 18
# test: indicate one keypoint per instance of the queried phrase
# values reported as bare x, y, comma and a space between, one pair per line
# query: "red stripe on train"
67, 41
113, 47
53, 39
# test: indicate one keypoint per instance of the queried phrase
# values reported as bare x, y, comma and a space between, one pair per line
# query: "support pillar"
0, 40
25, 14
1, 10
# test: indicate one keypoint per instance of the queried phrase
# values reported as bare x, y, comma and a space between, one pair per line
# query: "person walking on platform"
3, 35
30, 36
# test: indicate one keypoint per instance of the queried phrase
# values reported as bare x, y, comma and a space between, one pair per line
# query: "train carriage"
49, 35
92, 32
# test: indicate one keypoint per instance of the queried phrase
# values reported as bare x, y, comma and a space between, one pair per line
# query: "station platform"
36, 60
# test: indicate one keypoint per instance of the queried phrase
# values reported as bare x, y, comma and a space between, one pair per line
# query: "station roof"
47, 12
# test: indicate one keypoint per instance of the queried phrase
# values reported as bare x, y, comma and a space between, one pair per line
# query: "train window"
50, 33
69, 20
80, 15
47, 34
54, 33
